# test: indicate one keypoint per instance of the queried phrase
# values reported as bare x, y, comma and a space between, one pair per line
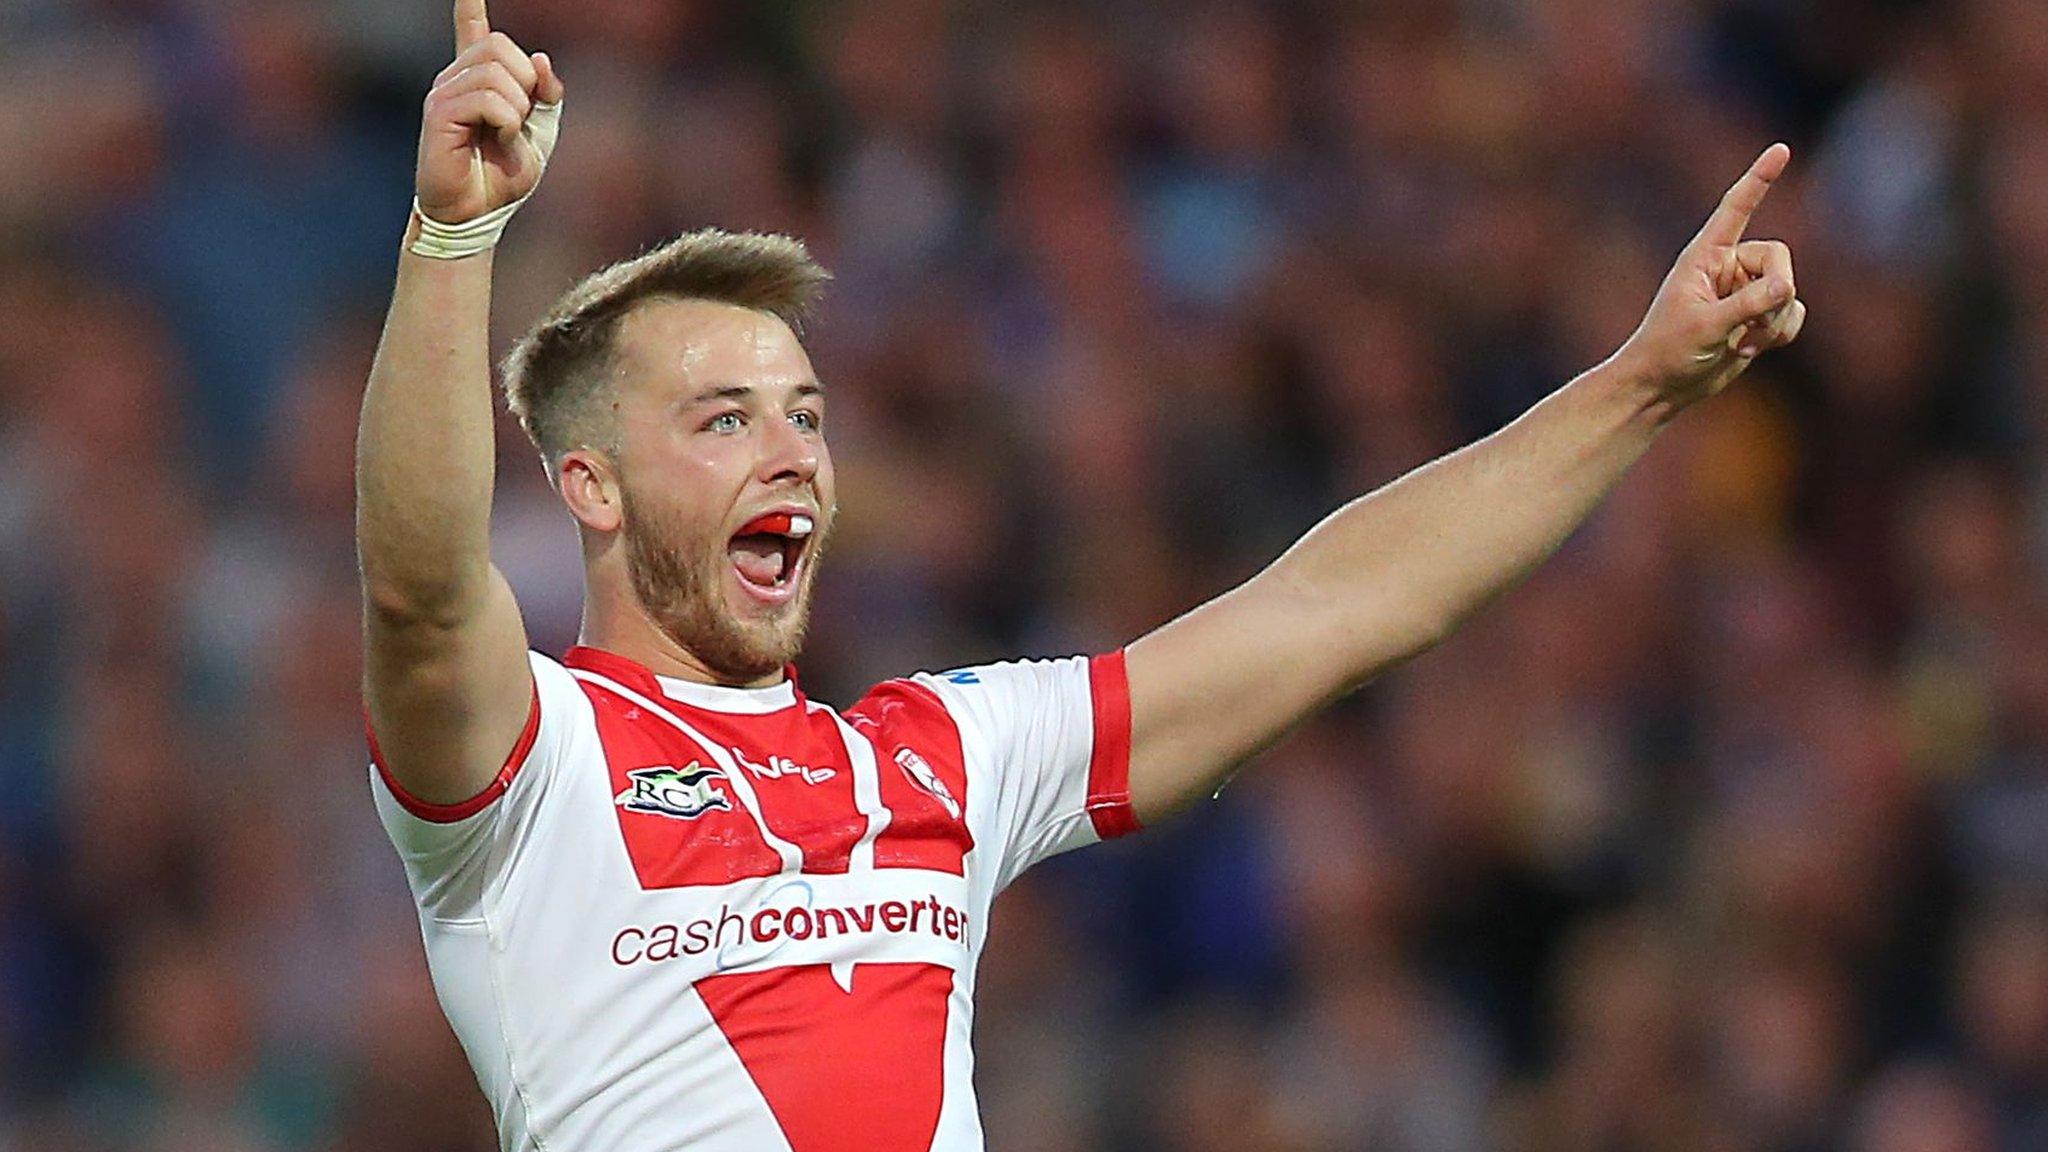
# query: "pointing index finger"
472, 23
1726, 225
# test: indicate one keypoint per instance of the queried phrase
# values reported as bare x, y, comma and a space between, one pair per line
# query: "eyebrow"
743, 391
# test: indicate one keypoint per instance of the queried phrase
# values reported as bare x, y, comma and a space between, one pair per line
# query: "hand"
478, 146
1726, 301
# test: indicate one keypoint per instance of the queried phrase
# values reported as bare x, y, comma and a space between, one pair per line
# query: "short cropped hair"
557, 377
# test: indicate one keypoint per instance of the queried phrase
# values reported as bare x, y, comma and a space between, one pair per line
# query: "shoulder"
968, 695
1012, 691
903, 705
995, 706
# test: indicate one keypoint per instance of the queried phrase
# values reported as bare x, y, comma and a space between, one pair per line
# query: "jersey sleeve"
1049, 742
455, 853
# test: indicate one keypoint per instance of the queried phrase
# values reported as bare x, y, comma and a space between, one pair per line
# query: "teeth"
799, 525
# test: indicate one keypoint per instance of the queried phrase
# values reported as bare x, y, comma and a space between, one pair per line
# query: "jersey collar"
710, 697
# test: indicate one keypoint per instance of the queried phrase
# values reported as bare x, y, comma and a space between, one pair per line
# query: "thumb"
1754, 301
549, 88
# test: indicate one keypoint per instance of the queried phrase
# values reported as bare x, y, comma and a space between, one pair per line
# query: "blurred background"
1728, 832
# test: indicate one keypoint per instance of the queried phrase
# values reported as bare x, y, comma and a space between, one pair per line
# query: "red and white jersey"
736, 920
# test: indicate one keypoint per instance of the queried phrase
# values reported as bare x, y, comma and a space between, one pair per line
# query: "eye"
806, 420
725, 422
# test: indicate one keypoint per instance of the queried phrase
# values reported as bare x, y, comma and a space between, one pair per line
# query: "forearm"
425, 450
1392, 573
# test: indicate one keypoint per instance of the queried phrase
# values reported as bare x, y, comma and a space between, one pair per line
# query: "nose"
787, 455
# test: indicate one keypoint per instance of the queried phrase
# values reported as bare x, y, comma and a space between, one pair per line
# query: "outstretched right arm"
446, 680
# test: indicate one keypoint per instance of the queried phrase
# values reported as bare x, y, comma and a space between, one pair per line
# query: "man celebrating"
670, 903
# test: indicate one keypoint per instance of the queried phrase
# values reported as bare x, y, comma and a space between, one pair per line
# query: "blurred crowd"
1727, 833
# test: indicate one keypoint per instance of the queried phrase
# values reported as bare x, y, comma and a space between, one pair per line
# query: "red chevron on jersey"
844, 1070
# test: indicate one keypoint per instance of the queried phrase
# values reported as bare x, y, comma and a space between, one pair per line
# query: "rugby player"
668, 901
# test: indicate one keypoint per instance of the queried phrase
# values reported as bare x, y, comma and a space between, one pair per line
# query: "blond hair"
557, 375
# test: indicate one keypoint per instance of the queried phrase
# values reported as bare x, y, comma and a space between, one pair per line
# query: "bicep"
1217, 686
448, 699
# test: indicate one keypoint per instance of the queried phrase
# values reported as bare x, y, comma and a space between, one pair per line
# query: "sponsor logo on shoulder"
961, 676
921, 774
678, 793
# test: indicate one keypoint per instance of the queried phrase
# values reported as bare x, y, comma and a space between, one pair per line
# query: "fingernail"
1781, 291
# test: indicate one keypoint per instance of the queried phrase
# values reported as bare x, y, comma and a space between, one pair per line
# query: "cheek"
680, 506
718, 461
827, 482
695, 515
715, 469
700, 477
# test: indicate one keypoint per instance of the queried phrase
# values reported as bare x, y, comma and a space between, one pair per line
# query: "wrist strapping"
438, 241
443, 241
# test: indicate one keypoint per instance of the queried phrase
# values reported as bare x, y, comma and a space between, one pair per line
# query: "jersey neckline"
710, 697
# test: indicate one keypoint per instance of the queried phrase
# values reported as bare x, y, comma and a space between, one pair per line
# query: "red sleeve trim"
451, 813
1109, 765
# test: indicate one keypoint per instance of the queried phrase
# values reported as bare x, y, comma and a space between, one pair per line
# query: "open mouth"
768, 552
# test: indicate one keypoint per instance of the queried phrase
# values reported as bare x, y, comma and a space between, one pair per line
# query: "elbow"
1374, 623
1396, 637
1424, 626
1432, 626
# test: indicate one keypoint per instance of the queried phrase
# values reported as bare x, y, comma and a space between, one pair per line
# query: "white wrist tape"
438, 241
442, 241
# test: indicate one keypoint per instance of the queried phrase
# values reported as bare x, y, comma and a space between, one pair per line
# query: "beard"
680, 584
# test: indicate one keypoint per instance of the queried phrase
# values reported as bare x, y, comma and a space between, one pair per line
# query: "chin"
735, 638
768, 641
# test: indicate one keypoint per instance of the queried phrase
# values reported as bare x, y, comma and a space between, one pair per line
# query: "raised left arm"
1392, 573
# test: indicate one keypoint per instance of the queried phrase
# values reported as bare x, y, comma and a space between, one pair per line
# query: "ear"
590, 487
